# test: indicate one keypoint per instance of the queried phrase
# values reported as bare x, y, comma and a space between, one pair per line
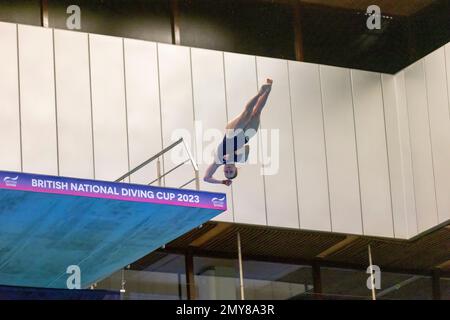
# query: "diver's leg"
245, 115
249, 109
261, 103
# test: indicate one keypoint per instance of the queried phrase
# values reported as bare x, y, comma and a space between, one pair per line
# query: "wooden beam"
175, 21
337, 247
298, 35
211, 234
444, 266
44, 13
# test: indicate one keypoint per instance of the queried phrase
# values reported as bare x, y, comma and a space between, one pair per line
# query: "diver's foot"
265, 88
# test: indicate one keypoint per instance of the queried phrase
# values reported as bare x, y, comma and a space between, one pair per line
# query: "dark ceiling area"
338, 35
390, 7
417, 256
331, 32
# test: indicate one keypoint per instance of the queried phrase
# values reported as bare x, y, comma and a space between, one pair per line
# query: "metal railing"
160, 175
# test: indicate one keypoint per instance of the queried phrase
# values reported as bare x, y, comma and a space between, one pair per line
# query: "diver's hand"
227, 182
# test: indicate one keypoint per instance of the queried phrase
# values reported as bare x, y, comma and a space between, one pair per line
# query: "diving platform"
49, 223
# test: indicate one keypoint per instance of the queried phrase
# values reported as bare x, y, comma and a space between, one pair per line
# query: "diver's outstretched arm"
209, 175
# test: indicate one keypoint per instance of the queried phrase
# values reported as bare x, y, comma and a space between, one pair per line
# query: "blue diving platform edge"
48, 223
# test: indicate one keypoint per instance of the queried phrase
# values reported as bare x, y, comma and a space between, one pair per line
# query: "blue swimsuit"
229, 146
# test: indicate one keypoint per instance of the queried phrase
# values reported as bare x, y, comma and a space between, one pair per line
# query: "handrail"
194, 164
170, 171
159, 154
156, 156
190, 181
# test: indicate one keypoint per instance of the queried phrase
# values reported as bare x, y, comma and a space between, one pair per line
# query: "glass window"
344, 284
219, 279
406, 287
216, 278
163, 278
352, 284
276, 281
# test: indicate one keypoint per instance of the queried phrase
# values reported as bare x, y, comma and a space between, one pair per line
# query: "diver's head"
230, 171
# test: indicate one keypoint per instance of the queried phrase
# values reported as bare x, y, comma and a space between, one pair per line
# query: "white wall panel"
37, 94
9, 99
447, 67
372, 154
279, 172
341, 150
438, 105
399, 151
108, 106
73, 104
310, 153
421, 146
176, 110
248, 188
356, 154
211, 116
144, 119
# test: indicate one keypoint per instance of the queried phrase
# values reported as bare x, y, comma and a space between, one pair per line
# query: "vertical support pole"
317, 281
190, 278
194, 165
180, 288
197, 180
372, 279
298, 36
158, 171
241, 269
175, 21
44, 13
436, 284
122, 285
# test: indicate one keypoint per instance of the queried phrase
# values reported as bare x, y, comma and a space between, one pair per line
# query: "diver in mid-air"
234, 146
